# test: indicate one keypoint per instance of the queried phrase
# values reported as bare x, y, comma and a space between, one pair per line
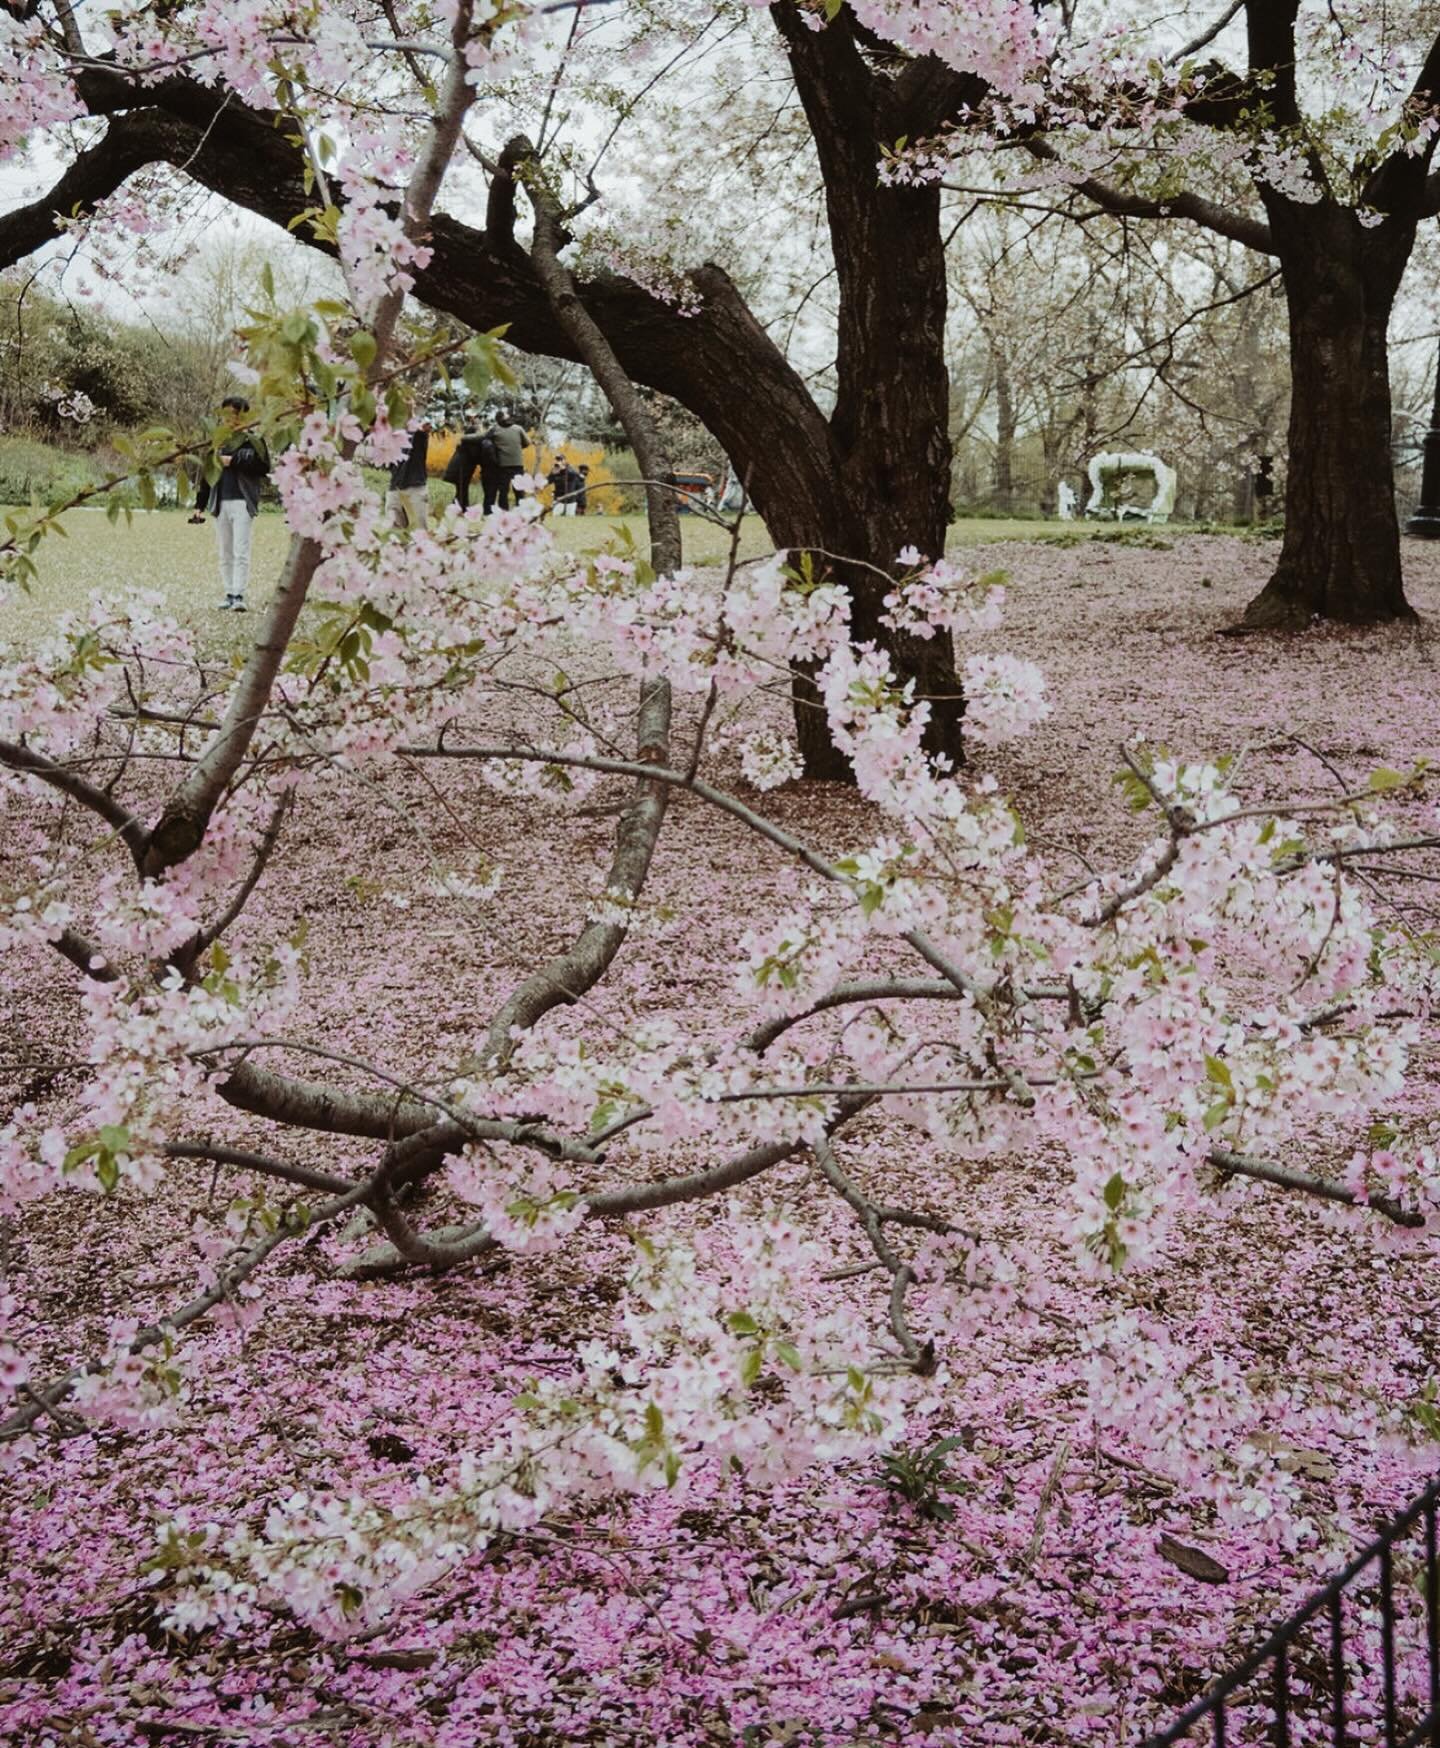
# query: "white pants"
414, 501
232, 534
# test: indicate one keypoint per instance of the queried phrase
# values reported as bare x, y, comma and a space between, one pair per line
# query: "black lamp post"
1426, 520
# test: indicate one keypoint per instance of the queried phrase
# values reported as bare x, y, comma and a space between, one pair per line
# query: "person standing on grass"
408, 499
469, 454
506, 441
234, 501
566, 483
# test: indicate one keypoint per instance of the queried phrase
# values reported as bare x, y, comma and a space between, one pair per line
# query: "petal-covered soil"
1030, 1599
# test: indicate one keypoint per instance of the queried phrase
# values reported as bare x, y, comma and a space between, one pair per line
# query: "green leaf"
1115, 1193
1217, 1114
752, 1366
1385, 779
114, 1138
363, 348
742, 1323
1218, 1073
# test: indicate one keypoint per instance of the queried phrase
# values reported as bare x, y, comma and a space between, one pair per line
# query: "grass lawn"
161, 550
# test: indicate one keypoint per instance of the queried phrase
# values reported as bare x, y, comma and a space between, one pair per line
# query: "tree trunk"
1005, 422
890, 431
1341, 553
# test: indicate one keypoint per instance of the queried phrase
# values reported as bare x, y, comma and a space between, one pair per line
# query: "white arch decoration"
1114, 466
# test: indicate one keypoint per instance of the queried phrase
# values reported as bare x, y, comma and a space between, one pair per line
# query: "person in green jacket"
502, 456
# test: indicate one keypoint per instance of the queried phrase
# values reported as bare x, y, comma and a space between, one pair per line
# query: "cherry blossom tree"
1306, 134
1149, 118
1169, 1030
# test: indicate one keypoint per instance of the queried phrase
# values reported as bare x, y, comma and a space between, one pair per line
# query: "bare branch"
872, 1218
1265, 1171
303, 1175
1239, 227
1206, 37
612, 1204
122, 822
581, 966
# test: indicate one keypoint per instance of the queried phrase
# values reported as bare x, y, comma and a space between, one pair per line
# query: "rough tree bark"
889, 434
1341, 553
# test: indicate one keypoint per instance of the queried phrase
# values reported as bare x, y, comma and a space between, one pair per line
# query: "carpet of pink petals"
827, 1611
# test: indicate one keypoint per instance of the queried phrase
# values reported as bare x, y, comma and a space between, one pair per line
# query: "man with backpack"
234, 501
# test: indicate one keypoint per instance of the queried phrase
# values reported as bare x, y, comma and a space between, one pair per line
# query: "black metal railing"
1358, 1663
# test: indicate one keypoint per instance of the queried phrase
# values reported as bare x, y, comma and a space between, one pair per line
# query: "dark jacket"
409, 472
249, 463
460, 469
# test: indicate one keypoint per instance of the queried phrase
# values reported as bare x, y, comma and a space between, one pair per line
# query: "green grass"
163, 551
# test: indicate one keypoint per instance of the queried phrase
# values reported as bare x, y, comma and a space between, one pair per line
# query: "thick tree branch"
612, 1204
1239, 227
306, 1177
719, 362
1403, 186
130, 143
1266, 1172
572, 973
1270, 32
130, 831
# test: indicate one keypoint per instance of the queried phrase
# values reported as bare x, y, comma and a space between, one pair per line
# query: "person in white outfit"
234, 501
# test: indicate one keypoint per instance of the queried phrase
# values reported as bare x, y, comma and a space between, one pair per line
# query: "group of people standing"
497, 454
